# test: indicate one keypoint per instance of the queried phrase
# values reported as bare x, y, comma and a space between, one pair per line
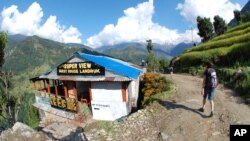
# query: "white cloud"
190, 9
137, 25
29, 23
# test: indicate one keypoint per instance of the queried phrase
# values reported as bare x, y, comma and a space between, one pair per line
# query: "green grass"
231, 47
231, 34
223, 42
239, 27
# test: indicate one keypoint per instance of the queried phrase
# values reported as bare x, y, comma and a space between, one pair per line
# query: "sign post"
80, 68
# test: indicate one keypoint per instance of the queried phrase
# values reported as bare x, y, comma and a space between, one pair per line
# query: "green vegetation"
237, 16
130, 54
28, 113
7, 100
220, 26
3, 42
205, 28
163, 65
154, 84
230, 50
238, 79
153, 63
34, 52
246, 17
26, 58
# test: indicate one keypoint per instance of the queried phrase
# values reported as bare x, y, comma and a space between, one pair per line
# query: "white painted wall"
103, 110
106, 91
134, 90
107, 101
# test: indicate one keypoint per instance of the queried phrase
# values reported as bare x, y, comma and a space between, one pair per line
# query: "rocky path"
177, 118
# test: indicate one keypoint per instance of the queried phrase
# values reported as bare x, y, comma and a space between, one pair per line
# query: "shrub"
243, 83
153, 83
28, 113
236, 79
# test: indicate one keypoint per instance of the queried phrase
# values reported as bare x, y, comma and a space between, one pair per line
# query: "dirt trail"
177, 118
184, 122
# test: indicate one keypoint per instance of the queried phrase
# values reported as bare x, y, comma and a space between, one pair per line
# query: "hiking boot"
201, 109
211, 114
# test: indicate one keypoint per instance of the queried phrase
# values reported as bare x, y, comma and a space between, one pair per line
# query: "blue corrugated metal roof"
115, 65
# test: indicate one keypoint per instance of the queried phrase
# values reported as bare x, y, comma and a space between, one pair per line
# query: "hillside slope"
226, 50
26, 53
230, 55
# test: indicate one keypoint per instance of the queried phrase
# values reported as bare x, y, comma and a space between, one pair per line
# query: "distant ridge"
24, 53
246, 8
134, 52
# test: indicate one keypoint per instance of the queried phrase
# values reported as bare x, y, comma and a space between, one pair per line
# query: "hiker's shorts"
209, 93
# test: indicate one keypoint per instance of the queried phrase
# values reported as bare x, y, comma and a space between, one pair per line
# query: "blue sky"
109, 22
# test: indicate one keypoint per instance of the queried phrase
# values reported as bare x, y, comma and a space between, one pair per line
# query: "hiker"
171, 68
209, 84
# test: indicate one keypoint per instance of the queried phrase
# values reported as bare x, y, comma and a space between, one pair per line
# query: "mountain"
165, 48
178, 49
26, 53
14, 40
133, 52
245, 9
17, 37
122, 46
76, 45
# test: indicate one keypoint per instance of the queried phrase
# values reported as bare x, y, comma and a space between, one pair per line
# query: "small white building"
108, 86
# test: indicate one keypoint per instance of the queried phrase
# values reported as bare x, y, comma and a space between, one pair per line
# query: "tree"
149, 45
246, 17
237, 16
3, 42
8, 102
153, 62
220, 26
205, 28
163, 65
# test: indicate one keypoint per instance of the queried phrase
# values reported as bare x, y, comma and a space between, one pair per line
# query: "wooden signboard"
61, 102
80, 68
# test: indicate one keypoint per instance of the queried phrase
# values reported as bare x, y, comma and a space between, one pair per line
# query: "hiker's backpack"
212, 81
